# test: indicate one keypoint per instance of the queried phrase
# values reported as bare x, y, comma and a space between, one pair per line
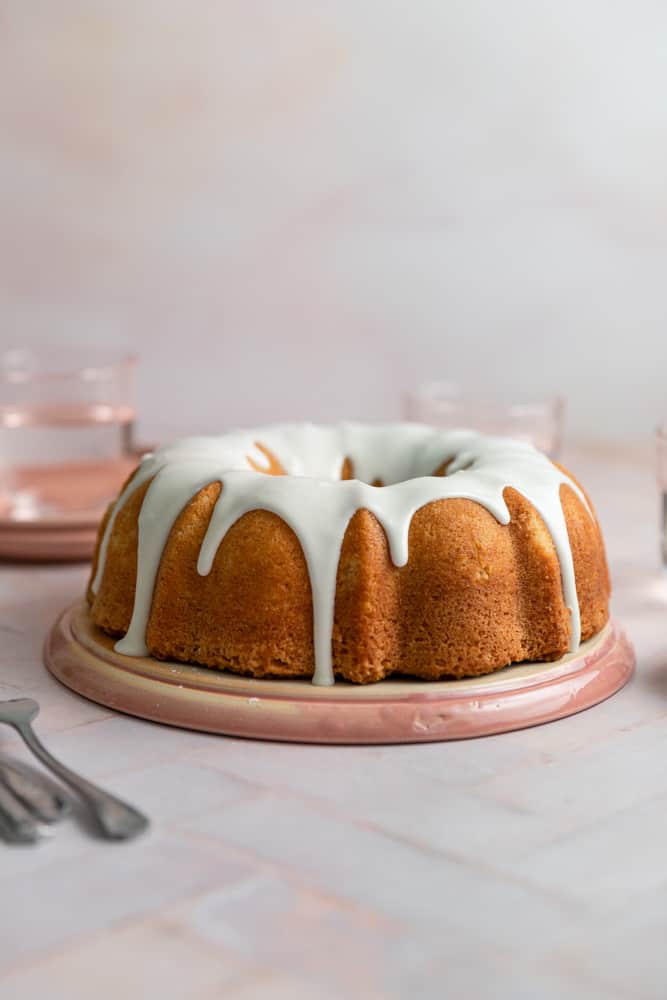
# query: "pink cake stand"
394, 711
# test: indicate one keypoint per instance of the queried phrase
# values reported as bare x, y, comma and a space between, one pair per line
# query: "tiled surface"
529, 865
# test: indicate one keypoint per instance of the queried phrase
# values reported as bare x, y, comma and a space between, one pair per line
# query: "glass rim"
88, 364
445, 395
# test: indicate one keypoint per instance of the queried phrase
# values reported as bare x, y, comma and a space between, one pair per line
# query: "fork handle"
115, 819
42, 796
16, 824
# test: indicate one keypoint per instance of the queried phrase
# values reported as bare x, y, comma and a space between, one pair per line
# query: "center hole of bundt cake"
347, 471
274, 467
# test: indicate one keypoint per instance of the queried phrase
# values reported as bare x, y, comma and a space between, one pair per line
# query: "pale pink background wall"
296, 209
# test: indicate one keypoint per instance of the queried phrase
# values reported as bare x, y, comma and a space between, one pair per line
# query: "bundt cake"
354, 551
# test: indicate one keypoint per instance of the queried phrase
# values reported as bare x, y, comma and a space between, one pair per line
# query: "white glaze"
318, 506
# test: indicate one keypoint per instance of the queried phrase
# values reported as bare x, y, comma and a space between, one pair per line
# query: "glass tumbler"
661, 455
66, 432
536, 419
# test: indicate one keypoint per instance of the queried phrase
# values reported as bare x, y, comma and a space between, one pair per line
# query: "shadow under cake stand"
394, 711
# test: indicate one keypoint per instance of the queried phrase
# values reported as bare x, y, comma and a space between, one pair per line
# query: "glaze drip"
319, 506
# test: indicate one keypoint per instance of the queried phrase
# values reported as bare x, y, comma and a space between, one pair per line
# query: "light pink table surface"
528, 865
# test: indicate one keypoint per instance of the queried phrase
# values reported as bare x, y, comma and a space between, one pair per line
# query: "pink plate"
393, 711
35, 542
71, 537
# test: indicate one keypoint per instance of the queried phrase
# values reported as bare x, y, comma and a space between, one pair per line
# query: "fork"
115, 820
27, 799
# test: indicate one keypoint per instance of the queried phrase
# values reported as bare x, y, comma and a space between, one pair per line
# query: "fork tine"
41, 796
16, 824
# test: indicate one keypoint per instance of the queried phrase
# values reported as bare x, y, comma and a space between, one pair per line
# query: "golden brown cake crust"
474, 596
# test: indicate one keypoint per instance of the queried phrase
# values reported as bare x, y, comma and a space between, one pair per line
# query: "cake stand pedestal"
393, 711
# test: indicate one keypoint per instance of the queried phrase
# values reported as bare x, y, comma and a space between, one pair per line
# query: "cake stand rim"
421, 712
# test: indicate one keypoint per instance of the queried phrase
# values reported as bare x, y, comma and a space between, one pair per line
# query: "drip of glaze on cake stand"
317, 505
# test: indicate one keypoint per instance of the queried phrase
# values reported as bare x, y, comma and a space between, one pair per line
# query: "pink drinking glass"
661, 468
538, 419
66, 432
